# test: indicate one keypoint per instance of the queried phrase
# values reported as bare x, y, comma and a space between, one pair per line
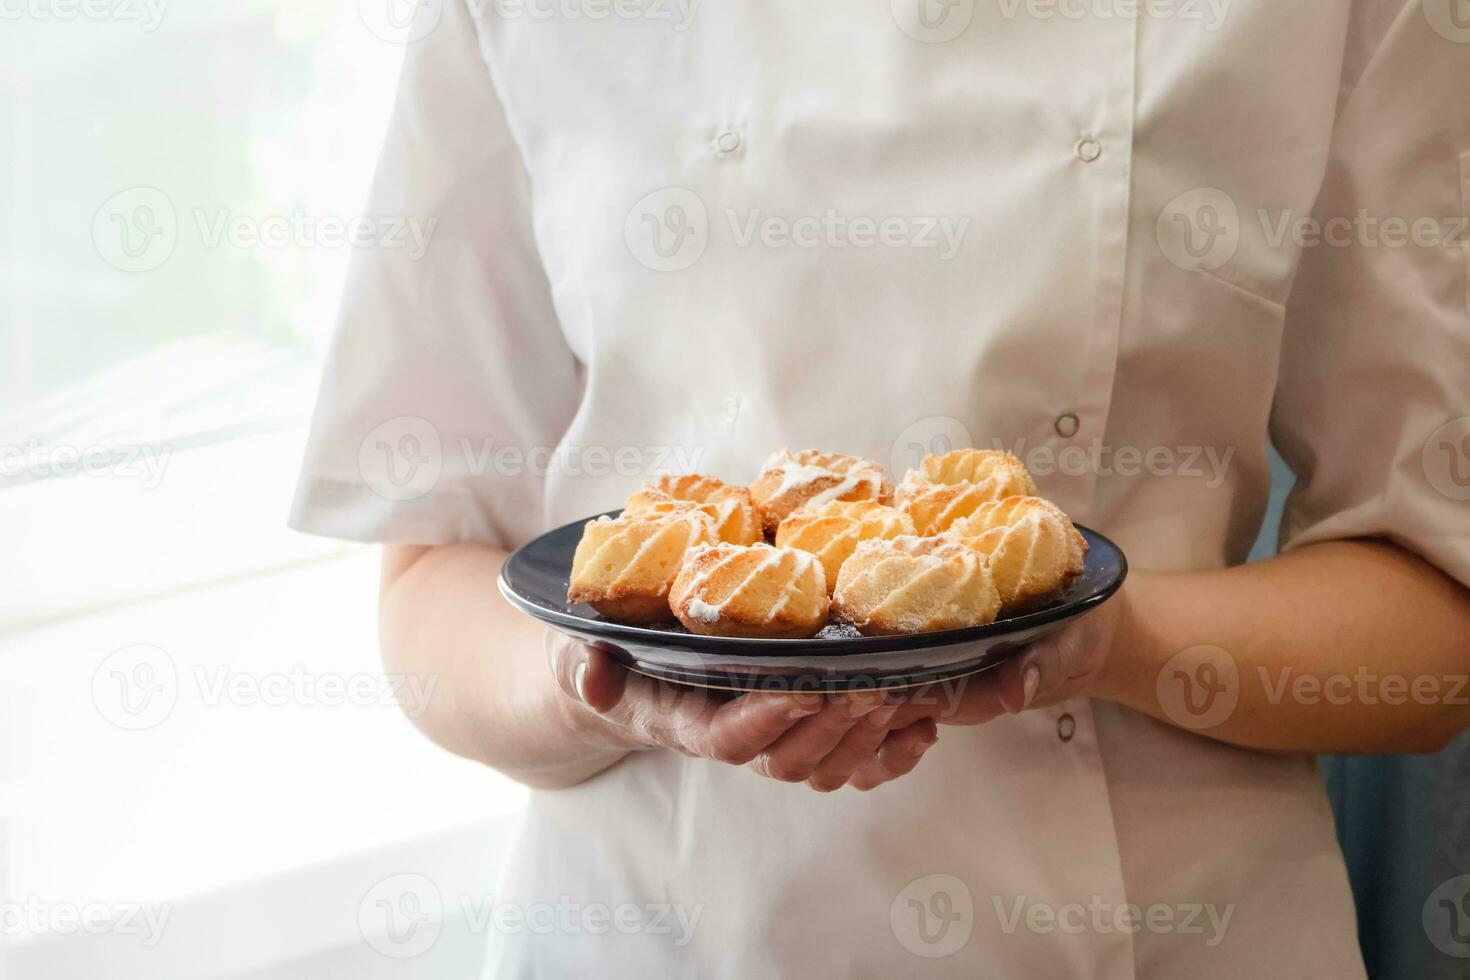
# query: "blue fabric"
1404, 826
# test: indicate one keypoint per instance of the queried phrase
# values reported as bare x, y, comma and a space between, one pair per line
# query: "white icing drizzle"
704, 611
792, 590
701, 611
848, 485
795, 475
778, 459
648, 542
774, 558
932, 585
698, 581
803, 559
688, 522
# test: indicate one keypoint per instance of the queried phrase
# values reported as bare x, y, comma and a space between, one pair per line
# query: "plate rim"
731, 645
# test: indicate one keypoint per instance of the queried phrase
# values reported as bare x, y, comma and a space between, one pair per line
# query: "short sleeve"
1372, 409
448, 374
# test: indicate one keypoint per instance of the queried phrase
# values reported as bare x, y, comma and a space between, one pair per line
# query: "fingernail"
804, 705
1031, 681
881, 717
859, 706
579, 681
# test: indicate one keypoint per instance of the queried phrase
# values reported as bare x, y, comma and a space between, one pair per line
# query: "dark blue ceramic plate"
534, 580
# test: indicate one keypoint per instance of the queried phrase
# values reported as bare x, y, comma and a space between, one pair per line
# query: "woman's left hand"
1068, 664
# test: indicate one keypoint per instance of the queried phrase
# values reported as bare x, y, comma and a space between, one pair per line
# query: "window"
180, 184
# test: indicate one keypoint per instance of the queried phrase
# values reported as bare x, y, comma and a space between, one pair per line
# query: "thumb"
1020, 681
1055, 669
586, 672
602, 681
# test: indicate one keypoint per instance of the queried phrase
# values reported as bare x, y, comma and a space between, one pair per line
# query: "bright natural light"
183, 188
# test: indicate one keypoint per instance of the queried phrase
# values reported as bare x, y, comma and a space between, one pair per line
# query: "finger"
699, 723
795, 755
971, 700
585, 672
670, 715
742, 728
1019, 682
1042, 676
857, 747
602, 681
1054, 670
897, 756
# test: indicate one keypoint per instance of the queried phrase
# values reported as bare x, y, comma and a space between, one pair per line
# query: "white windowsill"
262, 825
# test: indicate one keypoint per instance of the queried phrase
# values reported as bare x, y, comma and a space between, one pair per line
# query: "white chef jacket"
673, 237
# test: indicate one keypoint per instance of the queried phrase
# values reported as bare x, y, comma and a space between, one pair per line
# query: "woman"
679, 238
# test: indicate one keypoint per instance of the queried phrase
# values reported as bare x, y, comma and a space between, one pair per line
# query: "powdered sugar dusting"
795, 475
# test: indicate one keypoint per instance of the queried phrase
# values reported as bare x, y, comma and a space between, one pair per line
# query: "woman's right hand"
827, 741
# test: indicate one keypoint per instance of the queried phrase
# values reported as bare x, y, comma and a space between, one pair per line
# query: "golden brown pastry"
756, 591
731, 508
1033, 548
1013, 510
914, 585
833, 530
623, 567
811, 478
945, 489
973, 466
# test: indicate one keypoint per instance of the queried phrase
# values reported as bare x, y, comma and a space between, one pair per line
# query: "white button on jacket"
902, 249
